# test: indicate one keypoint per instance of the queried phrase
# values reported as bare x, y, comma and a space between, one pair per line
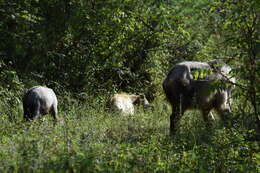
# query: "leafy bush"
89, 139
11, 90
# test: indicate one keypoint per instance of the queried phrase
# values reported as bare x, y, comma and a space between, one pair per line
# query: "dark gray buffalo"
184, 92
39, 101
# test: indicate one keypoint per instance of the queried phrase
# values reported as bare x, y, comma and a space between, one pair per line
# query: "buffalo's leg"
25, 113
54, 113
174, 119
223, 113
35, 110
206, 114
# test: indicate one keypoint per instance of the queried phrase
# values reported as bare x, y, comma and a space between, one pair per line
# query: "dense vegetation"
88, 50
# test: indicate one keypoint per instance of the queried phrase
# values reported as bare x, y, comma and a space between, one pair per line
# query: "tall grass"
89, 139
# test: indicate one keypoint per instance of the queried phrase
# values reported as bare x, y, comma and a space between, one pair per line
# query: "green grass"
88, 139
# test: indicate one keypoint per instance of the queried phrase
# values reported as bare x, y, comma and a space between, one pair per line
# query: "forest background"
88, 50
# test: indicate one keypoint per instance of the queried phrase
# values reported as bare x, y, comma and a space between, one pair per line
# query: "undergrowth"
89, 139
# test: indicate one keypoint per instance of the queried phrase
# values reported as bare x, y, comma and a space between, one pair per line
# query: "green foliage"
11, 88
117, 45
87, 50
201, 74
89, 139
236, 23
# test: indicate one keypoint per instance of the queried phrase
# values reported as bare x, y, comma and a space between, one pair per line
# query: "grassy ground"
88, 139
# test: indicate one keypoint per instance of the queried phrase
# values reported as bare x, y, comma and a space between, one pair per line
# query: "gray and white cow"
38, 101
184, 92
